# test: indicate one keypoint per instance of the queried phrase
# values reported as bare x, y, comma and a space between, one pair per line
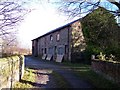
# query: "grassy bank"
27, 79
87, 74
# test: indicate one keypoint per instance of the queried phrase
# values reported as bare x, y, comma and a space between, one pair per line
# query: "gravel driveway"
45, 78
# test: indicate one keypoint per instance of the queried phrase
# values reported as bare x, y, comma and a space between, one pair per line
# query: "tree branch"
74, 8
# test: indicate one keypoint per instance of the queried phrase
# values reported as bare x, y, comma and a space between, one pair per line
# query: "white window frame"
51, 37
58, 37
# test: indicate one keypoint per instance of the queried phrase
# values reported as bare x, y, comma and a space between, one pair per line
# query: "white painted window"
58, 37
51, 37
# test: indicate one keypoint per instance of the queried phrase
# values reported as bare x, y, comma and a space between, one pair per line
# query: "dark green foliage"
91, 50
115, 51
101, 33
77, 57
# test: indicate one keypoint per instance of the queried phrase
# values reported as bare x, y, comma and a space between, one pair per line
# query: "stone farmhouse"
61, 43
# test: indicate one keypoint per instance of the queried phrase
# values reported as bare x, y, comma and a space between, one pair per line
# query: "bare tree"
78, 7
9, 44
11, 13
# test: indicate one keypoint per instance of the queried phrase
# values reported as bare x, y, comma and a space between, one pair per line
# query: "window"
58, 37
45, 51
51, 37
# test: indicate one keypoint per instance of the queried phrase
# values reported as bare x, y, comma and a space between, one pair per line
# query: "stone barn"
63, 43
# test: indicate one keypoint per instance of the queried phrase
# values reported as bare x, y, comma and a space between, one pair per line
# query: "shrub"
91, 50
115, 51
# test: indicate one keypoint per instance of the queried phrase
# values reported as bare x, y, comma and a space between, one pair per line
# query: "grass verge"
85, 71
29, 76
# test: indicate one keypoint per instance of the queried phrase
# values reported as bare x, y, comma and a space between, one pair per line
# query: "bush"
101, 34
91, 50
115, 51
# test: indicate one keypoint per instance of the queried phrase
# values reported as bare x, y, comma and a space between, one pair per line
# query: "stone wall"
47, 46
109, 69
11, 70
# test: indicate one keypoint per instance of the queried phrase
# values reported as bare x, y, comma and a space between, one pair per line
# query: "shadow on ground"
31, 83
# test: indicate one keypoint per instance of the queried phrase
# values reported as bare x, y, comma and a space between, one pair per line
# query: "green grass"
87, 74
29, 76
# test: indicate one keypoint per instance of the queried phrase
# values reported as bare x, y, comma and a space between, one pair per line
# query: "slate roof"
57, 29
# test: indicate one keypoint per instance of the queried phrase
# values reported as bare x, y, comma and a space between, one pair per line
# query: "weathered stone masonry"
11, 70
109, 69
61, 41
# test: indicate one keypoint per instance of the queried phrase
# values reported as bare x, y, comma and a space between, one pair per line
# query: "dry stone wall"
109, 69
11, 70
